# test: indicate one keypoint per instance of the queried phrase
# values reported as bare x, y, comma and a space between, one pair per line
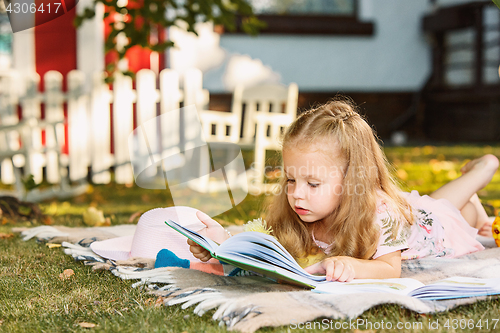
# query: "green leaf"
140, 22
497, 2
29, 183
24, 210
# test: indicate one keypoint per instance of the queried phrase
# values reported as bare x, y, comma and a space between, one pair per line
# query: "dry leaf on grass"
159, 302
6, 236
134, 216
66, 274
86, 325
95, 218
156, 303
47, 220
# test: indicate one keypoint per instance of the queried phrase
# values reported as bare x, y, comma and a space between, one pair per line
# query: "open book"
261, 253
257, 252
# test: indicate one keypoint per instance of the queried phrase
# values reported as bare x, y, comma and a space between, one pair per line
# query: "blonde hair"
351, 224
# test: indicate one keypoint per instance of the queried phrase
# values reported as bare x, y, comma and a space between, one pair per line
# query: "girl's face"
314, 180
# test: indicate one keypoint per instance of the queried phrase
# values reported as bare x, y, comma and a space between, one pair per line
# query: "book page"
458, 287
254, 247
401, 286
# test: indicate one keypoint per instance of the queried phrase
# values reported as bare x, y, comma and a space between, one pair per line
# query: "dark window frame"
311, 24
454, 18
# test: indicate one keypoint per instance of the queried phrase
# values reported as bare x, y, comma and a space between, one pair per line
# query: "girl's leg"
461, 192
483, 221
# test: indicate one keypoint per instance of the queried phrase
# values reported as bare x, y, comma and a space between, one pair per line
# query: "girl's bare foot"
486, 229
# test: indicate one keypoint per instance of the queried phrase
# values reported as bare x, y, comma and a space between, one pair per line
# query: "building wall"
395, 58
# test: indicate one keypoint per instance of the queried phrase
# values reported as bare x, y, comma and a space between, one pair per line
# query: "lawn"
34, 298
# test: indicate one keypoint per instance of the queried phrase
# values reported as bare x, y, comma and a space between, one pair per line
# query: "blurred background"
424, 72
427, 69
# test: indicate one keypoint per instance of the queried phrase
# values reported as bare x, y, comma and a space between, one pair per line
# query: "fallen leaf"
93, 217
24, 210
134, 216
52, 245
47, 220
6, 236
159, 302
107, 222
86, 325
1, 322
66, 274
149, 302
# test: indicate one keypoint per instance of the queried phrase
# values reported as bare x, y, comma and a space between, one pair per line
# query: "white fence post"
32, 138
78, 126
54, 111
123, 97
89, 124
9, 141
170, 98
147, 123
100, 134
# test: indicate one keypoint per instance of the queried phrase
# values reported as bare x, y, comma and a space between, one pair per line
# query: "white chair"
265, 111
262, 99
219, 126
269, 129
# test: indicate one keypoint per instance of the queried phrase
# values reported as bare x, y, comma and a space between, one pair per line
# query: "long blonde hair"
351, 224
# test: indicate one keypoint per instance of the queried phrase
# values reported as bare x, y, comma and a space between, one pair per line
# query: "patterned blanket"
247, 303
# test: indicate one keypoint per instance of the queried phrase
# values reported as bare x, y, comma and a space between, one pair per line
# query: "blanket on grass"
247, 303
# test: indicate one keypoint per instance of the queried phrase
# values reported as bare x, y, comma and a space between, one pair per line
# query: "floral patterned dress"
439, 230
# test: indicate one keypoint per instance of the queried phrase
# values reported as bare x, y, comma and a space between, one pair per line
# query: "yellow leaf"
6, 236
86, 325
93, 217
66, 274
52, 245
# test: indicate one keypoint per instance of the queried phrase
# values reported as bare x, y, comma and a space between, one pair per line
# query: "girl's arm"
344, 269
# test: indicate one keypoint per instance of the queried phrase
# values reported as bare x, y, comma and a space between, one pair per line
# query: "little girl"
341, 214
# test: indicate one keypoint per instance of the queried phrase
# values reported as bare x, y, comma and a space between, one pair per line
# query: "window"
491, 45
459, 57
466, 45
305, 7
317, 17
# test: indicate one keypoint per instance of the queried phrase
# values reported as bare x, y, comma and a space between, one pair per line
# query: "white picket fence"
99, 123
90, 132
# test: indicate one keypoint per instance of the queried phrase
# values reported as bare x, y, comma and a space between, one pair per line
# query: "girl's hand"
335, 268
213, 230
198, 252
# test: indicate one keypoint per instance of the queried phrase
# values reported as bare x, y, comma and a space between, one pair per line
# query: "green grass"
34, 299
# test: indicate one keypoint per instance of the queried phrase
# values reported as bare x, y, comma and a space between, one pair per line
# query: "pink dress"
439, 230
